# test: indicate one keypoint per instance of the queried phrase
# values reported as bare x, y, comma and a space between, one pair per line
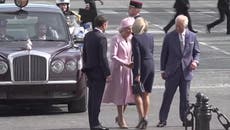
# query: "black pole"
199, 96
204, 114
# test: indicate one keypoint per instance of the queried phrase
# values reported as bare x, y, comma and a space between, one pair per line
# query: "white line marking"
144, 11
200, 87
108, 12
215, 48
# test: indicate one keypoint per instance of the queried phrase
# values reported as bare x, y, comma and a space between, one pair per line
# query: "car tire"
79, 105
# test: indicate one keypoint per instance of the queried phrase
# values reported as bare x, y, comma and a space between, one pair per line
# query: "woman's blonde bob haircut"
140, 26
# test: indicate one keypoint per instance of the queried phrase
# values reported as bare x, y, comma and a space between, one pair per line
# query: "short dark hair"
100, 20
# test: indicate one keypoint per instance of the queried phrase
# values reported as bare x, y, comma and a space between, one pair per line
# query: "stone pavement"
217, 97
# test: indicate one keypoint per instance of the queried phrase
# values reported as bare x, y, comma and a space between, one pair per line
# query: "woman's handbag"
138, 87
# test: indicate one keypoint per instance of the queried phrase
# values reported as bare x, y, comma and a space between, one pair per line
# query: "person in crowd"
180, 55
90, 11
43, 32
224, 9
143, 71
118, 90
181, 7
135, 8
96, 67
3, 35
64, 5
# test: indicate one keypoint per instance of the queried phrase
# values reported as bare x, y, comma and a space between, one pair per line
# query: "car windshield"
33, 26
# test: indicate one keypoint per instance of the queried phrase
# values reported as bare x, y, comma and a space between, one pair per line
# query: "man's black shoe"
99, 127
161, 124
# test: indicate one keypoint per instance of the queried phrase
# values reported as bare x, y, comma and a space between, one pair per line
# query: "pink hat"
126, 22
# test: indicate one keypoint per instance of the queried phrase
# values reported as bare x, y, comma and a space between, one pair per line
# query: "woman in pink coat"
118, 90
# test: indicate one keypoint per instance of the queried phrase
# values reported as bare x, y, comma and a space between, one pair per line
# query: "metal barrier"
202, 112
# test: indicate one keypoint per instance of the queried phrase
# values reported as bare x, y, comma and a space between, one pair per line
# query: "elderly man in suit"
181, 7
95, 65
179, 57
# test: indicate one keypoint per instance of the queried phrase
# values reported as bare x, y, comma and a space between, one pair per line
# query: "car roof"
30, 8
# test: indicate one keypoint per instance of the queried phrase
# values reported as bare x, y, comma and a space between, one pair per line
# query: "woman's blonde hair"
140, 26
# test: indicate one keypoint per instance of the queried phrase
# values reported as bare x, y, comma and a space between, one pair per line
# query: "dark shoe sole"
161, 124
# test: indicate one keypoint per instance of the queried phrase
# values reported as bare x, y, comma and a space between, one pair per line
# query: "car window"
21, 27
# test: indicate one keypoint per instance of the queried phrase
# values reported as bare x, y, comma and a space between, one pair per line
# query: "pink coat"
118, 90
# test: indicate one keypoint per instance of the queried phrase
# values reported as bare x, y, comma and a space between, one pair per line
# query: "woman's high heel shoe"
142, 124
122, 125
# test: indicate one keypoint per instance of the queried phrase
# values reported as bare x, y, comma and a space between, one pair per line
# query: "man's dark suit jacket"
95, 53
172, 57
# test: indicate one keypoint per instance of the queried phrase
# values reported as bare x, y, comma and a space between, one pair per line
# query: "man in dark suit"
179, 57
89, 12
181, 7
95, 65
224, 9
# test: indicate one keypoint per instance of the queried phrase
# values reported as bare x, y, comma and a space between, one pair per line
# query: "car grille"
29, 68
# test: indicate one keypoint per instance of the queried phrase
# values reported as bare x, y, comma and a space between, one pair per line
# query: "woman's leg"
120, 119
146, 104
139, 105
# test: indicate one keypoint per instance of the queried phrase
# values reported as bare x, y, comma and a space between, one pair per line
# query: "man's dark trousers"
171, 85
96, 84
222, 12
172, 21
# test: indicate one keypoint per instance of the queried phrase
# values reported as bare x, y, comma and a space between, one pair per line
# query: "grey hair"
182, 18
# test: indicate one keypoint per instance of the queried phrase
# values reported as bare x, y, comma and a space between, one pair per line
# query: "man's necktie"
181, 42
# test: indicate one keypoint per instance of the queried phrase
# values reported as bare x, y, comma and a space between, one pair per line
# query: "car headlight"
3, 67
57, 66
71, 65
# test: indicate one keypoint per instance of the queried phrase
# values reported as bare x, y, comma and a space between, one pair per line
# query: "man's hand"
108, 78
163, 75
138, 78
193, 65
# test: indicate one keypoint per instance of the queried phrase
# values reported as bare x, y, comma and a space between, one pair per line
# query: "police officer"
73, 19
64, 5
223, 7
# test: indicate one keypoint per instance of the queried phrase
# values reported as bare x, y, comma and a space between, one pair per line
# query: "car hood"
50, 47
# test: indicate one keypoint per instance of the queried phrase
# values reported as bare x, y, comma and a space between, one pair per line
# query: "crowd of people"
129, 77
132, 63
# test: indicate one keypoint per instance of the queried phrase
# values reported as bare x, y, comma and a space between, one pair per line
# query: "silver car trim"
28, 52
38, 82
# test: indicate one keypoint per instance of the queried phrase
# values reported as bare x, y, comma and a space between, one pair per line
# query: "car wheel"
79, 105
